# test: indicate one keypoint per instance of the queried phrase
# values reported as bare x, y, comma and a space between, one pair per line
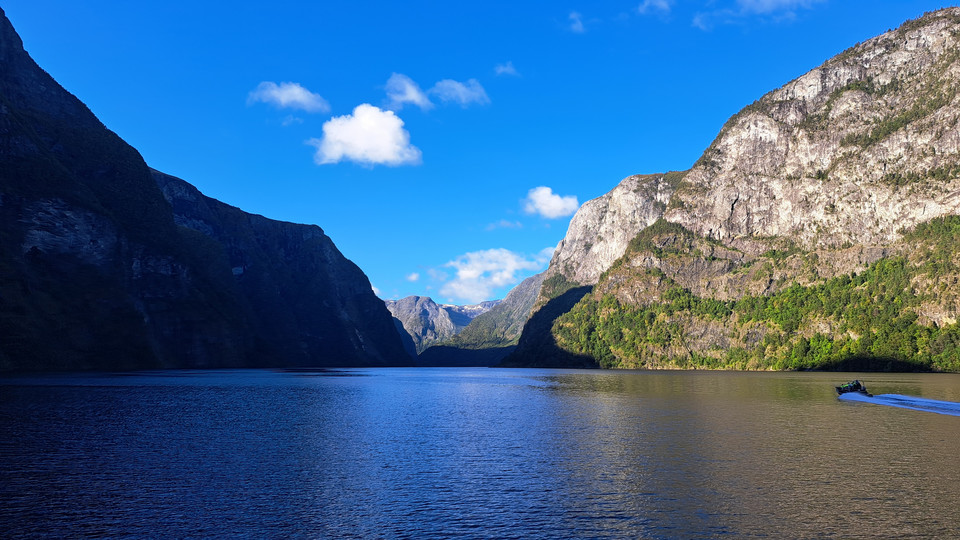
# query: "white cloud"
771, 6
648, 6
369, 136
478, 273
413, 277
701, 21
769, 10
505, 224
401, 89
463, 93
506, 69
542, 200
437, 275
576, 23
288, 95
376, 291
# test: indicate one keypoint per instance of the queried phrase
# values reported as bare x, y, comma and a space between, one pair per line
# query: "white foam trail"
906, 402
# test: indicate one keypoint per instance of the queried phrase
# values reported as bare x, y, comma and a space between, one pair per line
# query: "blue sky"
443, 146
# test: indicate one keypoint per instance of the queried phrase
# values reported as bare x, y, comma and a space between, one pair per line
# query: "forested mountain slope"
817, 230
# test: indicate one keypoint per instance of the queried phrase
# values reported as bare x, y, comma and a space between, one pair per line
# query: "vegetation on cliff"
875, 319
817, 231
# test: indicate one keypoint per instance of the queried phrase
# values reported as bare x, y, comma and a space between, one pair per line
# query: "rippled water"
417, 453
906, 402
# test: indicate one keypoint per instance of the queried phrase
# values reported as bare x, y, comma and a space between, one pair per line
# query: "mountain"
818, 230
490, 336
462, 316
422, 322
601, 229
106, 264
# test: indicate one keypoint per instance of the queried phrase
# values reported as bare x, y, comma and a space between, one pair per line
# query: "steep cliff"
601, 229
99, 270
309, 303
817, 230
853, 152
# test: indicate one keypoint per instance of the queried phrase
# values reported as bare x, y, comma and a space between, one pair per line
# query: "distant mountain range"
107, 264
475, 335
422, 322
489, 337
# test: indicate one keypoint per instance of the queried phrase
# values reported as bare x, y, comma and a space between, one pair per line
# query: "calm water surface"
418, 453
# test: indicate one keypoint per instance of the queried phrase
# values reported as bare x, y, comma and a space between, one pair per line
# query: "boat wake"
906, 402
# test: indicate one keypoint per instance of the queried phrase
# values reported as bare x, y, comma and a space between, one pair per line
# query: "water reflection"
754, 453
474, 453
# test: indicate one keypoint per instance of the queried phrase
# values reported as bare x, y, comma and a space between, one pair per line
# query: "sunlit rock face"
853, 152
601, 229
822, 178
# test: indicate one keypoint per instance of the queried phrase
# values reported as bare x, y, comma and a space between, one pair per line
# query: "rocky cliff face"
107, 265
853, 152
600, 230
801, 195
309, 303
426, 322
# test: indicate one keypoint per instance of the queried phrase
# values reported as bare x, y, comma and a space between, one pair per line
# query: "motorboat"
853, 386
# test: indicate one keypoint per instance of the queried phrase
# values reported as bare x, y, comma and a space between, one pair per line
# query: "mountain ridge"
818, 181
492, 335
98, 270
425, 322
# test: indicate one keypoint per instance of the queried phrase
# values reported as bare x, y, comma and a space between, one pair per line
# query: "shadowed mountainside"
105, 264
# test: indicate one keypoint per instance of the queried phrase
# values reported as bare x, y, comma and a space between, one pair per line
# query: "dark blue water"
474, 453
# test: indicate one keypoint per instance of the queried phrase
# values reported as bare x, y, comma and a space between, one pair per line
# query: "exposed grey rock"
427, 322
53, 226
462, 316
601, 229
830, 171
853, 152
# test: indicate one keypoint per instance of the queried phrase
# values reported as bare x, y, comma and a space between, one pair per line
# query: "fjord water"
386, 453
